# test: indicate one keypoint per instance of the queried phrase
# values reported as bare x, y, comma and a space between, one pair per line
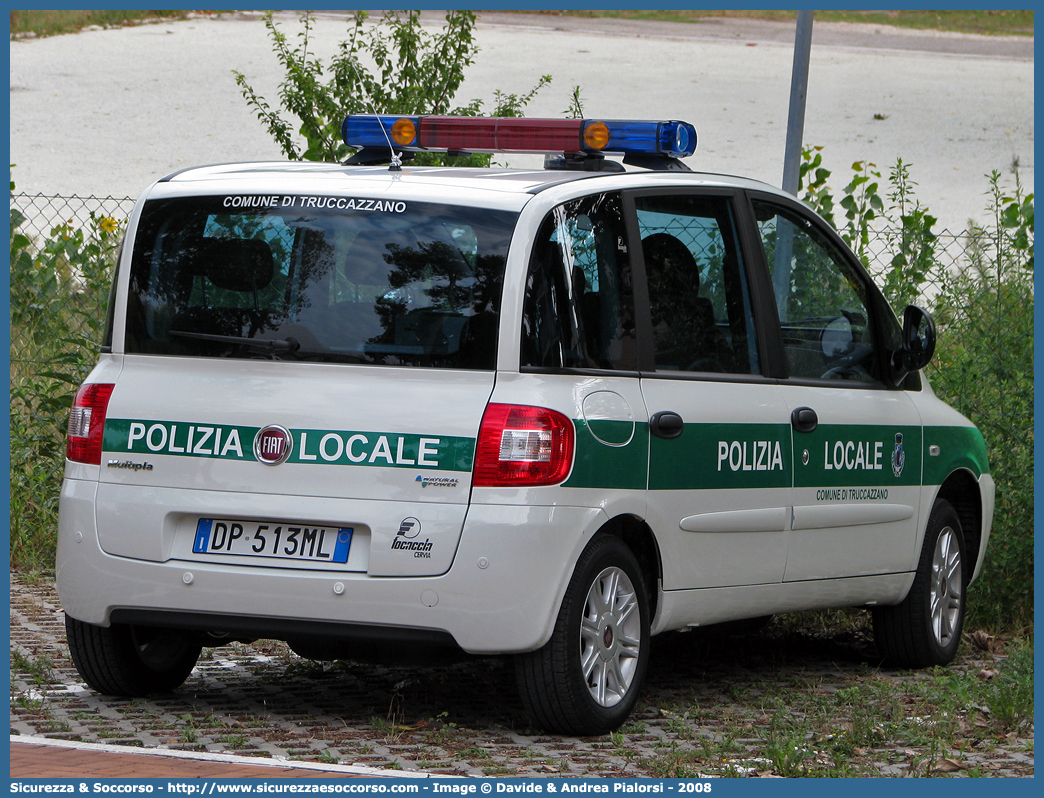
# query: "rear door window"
699, 299
409, 284
579, 300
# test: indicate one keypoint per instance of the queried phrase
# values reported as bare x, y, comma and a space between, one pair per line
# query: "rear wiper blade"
264, 344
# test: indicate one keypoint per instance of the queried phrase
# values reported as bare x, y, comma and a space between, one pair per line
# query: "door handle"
804, 419
666, 424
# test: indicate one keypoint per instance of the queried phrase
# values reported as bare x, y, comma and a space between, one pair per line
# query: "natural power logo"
437, 482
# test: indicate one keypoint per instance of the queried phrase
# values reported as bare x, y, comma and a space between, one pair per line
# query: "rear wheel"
586, 679
130, 660
925, 629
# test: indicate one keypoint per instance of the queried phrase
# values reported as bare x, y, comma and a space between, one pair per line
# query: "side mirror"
918, 343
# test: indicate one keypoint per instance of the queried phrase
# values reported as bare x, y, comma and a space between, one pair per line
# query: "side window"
698, 293
821, 299
579, 305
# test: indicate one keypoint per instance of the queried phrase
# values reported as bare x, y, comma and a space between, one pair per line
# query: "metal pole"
798, 90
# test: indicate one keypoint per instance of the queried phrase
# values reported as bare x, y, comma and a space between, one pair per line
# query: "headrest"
237, 264
664, 249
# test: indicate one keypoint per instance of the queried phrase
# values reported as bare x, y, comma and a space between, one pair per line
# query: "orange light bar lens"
404, 132
596, 135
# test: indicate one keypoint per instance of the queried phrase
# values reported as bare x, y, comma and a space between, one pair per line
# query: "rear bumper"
500, 595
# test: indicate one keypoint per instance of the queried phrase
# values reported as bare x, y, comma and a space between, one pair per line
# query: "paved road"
105, 112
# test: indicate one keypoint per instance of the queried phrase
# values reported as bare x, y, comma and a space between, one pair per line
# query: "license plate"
285, 541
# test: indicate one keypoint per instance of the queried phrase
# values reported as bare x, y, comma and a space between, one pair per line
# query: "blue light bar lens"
674, 139
365, 130
632, 136
677, 139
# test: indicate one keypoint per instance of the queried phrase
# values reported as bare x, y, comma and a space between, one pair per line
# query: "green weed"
59, 287
40, 669
1009, 696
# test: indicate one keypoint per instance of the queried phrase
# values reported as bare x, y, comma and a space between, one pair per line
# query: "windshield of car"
339, 280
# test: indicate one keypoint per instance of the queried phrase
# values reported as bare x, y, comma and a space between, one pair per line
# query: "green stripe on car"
310, 446
947, 449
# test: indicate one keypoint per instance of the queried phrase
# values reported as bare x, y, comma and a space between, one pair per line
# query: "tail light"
87, 423
523, 446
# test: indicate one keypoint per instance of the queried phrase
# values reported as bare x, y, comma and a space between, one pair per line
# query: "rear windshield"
340, 280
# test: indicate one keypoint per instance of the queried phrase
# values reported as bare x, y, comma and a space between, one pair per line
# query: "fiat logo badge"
273, 444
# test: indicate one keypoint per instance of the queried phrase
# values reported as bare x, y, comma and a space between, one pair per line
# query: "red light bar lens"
457, 133
540, 135
484, 134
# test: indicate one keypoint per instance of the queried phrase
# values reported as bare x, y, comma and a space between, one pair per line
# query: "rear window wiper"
264, 344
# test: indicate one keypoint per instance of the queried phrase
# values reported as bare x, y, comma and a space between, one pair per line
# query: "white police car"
543, 413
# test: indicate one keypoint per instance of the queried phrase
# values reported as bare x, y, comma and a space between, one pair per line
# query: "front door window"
822, 302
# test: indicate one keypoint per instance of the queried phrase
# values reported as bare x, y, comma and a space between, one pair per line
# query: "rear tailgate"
383, 452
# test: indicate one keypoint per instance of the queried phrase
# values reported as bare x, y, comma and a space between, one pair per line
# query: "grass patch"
989, 23
925, 723
53, 23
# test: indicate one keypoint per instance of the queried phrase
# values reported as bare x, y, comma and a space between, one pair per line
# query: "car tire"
132, 661
925, 629
586, 680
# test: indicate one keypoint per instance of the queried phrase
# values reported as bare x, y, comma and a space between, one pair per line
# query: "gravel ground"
713, 705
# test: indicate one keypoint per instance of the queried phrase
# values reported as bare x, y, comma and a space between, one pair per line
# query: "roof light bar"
501, 134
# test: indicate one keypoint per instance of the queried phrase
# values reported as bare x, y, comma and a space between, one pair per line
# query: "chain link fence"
71, 243
980, 298
44, 212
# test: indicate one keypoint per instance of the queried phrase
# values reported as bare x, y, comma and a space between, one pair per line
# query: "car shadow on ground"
686, 670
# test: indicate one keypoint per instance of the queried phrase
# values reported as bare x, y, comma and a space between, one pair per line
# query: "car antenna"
396, 161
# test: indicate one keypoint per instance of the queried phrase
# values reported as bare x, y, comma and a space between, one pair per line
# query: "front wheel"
925, 629
131, 661
586, 679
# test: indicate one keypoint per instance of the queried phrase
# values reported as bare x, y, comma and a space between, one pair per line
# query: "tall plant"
982, 302
985, 369
58, 290
415, 72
